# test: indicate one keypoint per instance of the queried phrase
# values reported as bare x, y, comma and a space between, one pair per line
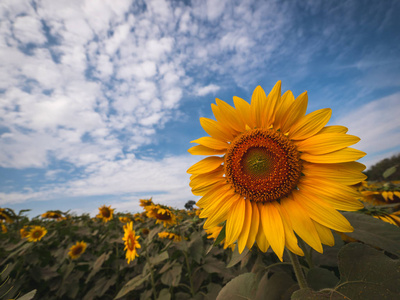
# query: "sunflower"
281, 172
124, 219
77, 250
131, 242
213, 233
145, 202
3, 228
5, 215
24, 232
169, 235
36, 233
105, 213
161, 214
54, 215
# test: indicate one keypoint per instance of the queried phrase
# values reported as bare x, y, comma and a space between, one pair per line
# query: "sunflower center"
262, 165
131, 242
37, 233
105, 212
77, 250
163, 216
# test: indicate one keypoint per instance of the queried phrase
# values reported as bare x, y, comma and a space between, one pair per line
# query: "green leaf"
131, 285
236, 257
274, 287
98, 263
220, 237
159, 258
241, 287
374, 232
319, 278
164, 295
196, 247
389, 172
309, 294
173, 276
28, 296
367, 273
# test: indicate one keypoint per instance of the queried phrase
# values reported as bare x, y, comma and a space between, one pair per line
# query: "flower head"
54, 215
124, 219
145, 202
5, 215
24, 232
105, 213
161, 214
169, 235
77, 250
281, 172
36, 233
131, 242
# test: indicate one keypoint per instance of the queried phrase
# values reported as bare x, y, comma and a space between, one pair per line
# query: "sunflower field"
164, 253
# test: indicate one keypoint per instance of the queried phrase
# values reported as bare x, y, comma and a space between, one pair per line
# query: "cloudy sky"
100, 99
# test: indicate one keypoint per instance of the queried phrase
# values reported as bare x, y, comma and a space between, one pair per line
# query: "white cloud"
377, 123
205, 90
28, 29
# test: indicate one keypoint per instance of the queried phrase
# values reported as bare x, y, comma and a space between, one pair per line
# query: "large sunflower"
105, 213
280, 172
77, 250
36, 233
131, 242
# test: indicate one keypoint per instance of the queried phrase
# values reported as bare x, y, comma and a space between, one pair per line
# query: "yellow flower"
162, 215
53, 215
36, 233
76, 250
3, 228
5, 216
125, 219
214, 232
169, 235
281, 172
24, 232
145, 202
105, 213
131, 242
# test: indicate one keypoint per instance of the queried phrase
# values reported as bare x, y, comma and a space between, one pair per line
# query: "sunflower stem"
189, 273
153, 284
301, 280
307, 254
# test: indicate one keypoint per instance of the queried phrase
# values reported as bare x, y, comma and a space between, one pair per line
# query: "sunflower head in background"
36, 233
273, 171
53, 215
161, 215
145, 202
131, 242
77, 250
105, 213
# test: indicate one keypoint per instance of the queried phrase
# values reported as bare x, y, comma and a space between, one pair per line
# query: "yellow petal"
217, 191
207, 164
339, 156
201, 150
295, 112
290, 238
326, 143
235, 220
222, 120
244, 111
385, 195
334, 129
270, 105
211, 143
254, 225
214, 206
273, 228
258, 101
338, 195
201, 190
214, 129
325, 234
322, 212
283, 107
310, 124
302, 223
347, 173
244, 234
212, 176
220, 215
261, 239
230, 116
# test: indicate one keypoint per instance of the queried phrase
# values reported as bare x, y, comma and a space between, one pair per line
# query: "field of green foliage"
187, 263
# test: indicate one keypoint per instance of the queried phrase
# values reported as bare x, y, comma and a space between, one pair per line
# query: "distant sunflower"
124, 219
54, 215
162, 215
131, 242
105, 213
145, 202
5, 216
169, 235
77, 250
24, 232
36, 233
280, 172
4, 228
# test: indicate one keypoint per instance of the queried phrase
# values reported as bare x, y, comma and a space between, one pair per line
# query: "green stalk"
189, 273
153, 284
301, 280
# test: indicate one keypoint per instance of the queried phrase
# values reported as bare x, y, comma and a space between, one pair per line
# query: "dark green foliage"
389, 165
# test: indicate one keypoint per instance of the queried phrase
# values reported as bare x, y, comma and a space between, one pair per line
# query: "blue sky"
100, 99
